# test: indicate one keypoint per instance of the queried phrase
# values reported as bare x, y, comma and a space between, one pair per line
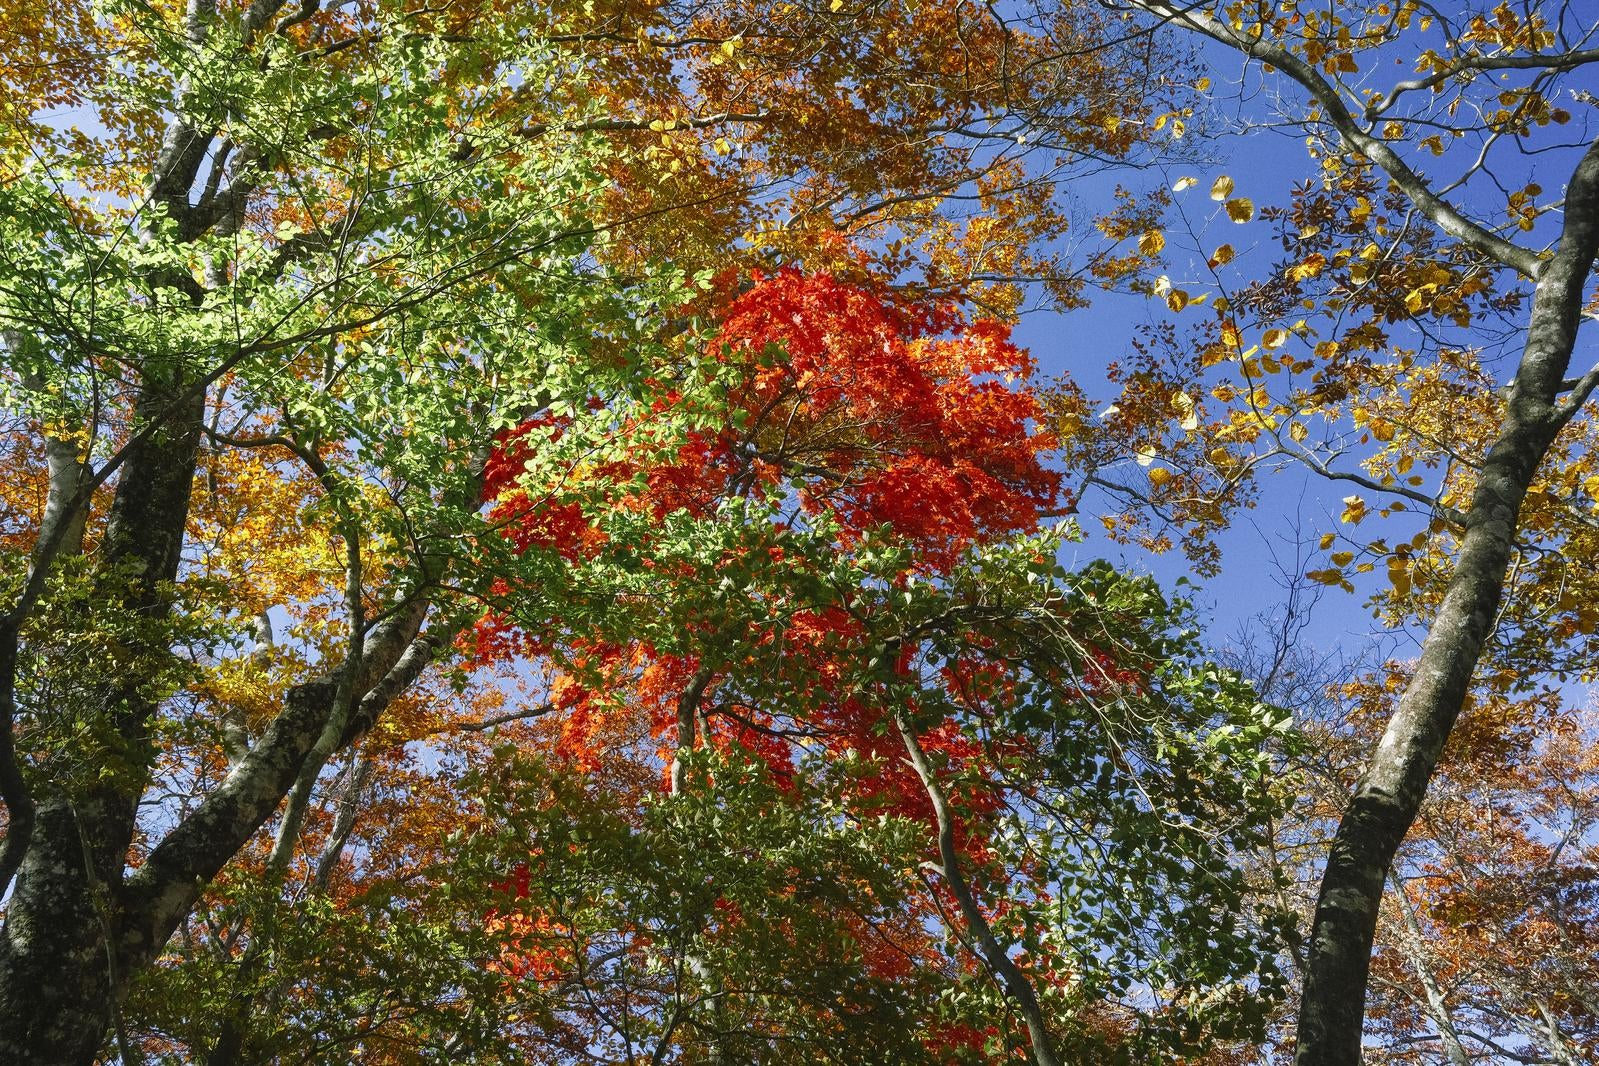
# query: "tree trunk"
60, 974
1389, 794
57, 972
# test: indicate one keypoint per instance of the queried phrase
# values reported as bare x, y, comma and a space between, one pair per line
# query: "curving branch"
1015, 982
1441, 212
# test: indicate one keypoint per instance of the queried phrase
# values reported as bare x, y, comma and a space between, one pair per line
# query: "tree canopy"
533, 533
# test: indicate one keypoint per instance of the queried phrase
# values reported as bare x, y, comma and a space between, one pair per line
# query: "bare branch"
1443, 214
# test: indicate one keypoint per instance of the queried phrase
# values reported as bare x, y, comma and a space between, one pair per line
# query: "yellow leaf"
1354, 510
1183, 183
1274, 338
836, 5
1399, 574
1241, 209
1308, 269
1145, 456
1184, 405
1342, 558
1327, 349
1158, 476
1177, 299
1221, 188
1298, 431
1222, 255
1152, 242
1326, 577
1327, 540
1414, 301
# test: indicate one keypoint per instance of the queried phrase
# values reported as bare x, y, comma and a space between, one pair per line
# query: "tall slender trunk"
1389, 794
1412, 937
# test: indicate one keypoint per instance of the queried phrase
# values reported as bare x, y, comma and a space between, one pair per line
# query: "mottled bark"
1389, 794
688, 705
60, 972
165, 889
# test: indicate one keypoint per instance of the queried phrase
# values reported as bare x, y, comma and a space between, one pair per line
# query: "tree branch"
1442, 213
159, 893
1016, 983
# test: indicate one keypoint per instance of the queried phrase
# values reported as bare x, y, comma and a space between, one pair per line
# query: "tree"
921, 144
1380, 240
1488, 935
293, 274
288, 281
739, 588
865, 641
1482, 941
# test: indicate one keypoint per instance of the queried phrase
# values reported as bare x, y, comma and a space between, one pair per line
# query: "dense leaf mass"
528, 534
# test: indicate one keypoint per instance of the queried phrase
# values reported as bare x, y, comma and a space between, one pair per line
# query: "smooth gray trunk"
1389, 794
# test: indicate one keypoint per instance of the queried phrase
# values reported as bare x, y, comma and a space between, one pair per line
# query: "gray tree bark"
59, 969
1389, 794
78, 926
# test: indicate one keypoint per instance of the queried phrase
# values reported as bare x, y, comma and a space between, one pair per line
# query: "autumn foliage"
528, 534
874, 449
